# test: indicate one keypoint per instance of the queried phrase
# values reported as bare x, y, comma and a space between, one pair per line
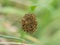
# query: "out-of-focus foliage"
48, 17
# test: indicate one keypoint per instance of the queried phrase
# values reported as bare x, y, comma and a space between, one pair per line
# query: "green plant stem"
6, 36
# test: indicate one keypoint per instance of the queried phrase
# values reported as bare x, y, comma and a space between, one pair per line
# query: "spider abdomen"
29, 23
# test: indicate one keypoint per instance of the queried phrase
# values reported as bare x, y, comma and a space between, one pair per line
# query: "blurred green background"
48, 17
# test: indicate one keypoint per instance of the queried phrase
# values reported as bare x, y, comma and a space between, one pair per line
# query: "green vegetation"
48, 17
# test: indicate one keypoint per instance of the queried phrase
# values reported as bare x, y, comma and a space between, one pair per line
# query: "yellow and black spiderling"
29, 23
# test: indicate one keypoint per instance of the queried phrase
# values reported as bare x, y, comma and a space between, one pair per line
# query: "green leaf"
33, 8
